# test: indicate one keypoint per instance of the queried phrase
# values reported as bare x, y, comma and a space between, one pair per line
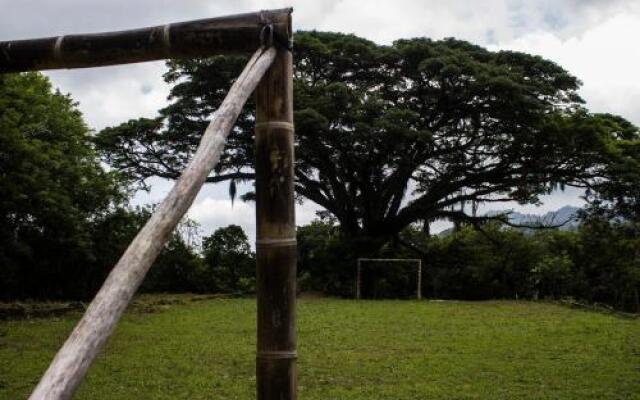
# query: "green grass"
348, 350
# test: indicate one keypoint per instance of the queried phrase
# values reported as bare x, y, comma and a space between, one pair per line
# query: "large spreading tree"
387, 136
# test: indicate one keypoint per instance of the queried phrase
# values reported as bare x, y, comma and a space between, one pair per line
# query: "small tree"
552, 275
610, 262
619, 195
52, 189
230, 261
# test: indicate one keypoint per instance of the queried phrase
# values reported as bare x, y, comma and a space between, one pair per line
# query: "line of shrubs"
597, 263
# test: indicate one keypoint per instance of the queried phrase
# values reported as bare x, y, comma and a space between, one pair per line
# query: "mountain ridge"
565, 219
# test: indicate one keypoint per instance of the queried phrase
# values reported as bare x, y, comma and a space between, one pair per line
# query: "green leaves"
449, 120
52, 189
230, 261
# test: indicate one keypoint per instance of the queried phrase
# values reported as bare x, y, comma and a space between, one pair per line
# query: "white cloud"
111, 95
604, 57
214, 213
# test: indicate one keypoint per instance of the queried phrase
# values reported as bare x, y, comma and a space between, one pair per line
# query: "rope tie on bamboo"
166, 38
276, 242
275, 124
266, 36
57, 48
266, 33
262, 18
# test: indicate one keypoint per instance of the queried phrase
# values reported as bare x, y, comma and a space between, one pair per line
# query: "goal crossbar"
414, 260
240, 33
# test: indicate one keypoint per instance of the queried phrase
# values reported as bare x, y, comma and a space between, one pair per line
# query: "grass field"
348, 350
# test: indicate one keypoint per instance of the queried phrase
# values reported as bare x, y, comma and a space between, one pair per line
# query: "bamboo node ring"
275, 124
266, 36
276, 242
277, 354
166, 37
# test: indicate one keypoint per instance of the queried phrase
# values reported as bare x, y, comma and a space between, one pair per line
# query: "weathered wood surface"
276, 233
72, 361
230, 34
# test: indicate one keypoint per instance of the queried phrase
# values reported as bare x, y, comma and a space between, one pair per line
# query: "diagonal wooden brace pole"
76, 355
276, 233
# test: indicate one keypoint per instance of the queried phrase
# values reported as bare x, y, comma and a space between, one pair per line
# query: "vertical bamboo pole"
419, 291
358, 279
276, 233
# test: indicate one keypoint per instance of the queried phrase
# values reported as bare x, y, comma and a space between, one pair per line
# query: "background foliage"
597, 263
389, 138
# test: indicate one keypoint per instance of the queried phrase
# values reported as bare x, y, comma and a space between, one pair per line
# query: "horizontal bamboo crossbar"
230, 34
72, 361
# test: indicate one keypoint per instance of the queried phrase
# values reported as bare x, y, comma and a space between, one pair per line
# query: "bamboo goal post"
276, 254
72, 361
270, 72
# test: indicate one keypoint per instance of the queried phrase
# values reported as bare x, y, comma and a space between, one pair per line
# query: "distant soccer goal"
413, 261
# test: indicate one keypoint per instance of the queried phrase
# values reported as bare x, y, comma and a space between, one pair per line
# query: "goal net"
380, 278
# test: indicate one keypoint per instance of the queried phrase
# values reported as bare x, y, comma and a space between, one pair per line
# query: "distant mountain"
564, 219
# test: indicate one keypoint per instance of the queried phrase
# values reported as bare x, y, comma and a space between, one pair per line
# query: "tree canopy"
228, 255
387, 136
52, 187
618, 196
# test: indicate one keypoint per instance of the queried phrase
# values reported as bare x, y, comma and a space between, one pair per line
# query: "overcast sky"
596, 40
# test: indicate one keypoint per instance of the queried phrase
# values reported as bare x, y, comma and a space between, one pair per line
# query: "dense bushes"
64, 223
599, 263
229, 261
64, 272
63, 219
52, 192
225, 265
